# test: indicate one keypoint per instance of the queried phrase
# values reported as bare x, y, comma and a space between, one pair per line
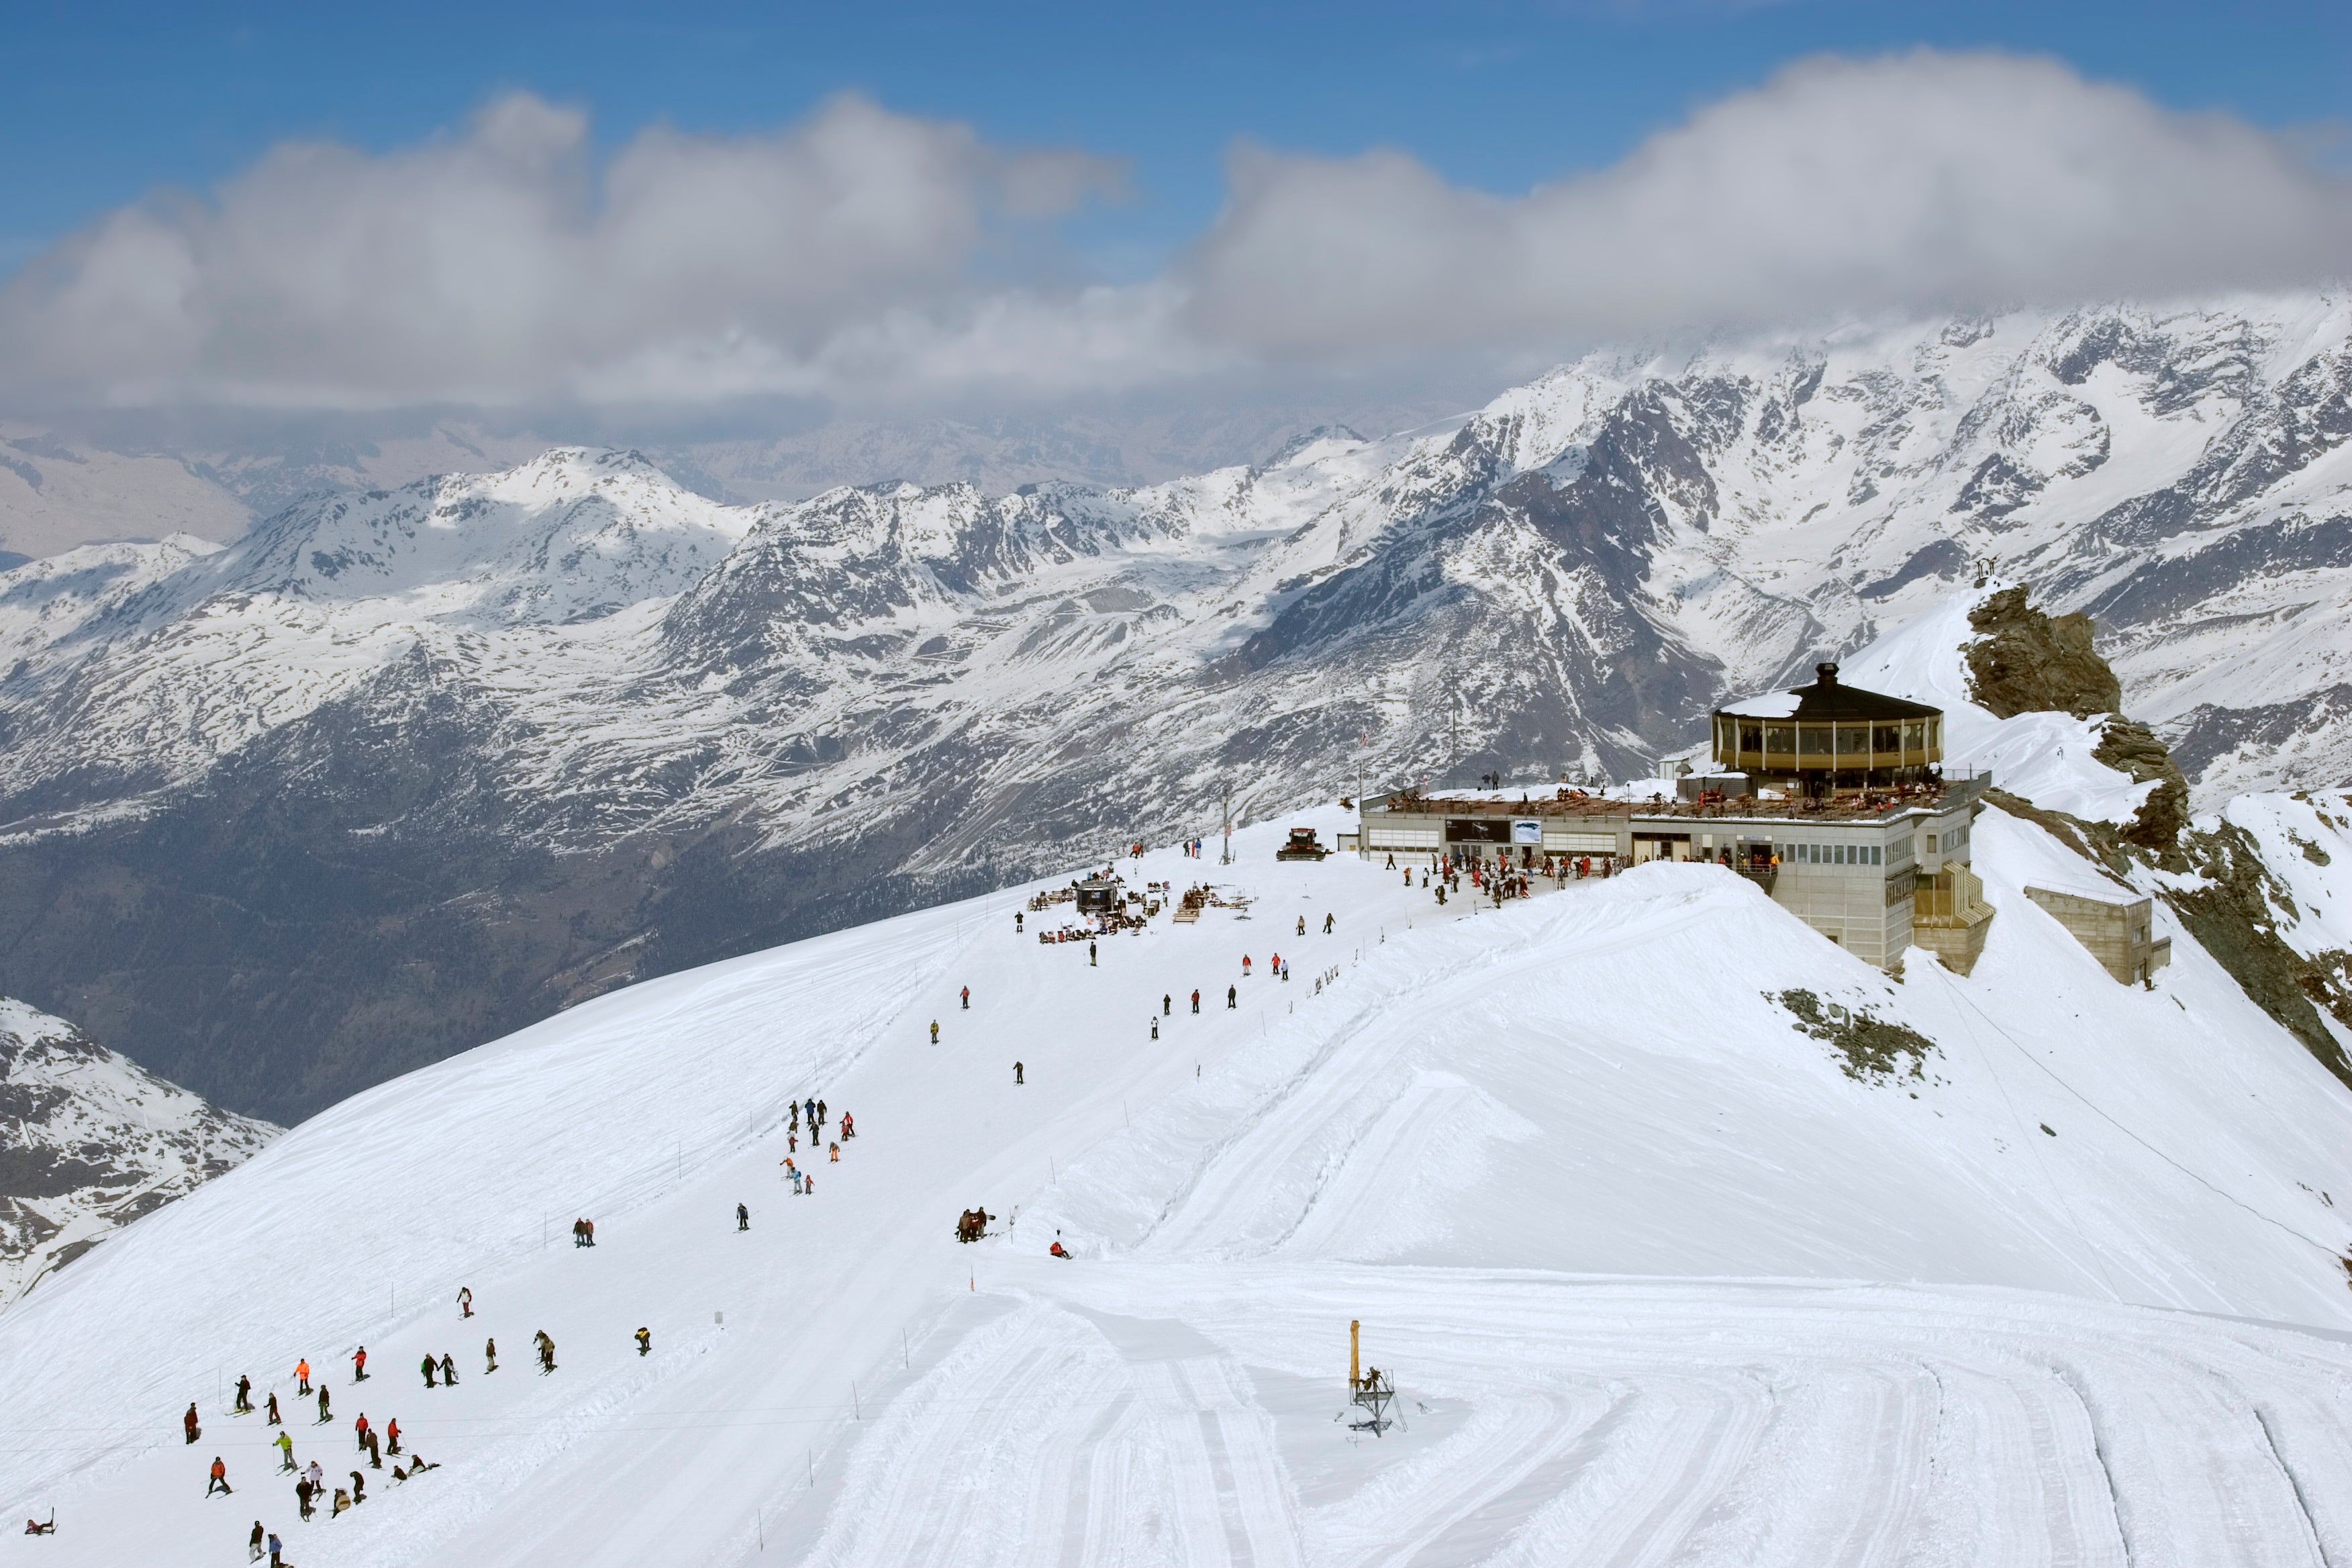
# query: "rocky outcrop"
2131, 747
2027, 662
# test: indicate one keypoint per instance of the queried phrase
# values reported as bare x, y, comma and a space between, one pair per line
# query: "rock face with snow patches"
95, 1143
401, 770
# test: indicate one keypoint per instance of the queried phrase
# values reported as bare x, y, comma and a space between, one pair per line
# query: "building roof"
1826, 699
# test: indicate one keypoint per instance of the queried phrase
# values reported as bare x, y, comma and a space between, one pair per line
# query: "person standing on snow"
935, 1031
243, 1395
285, 1447
742, 1217
325, 1415
644, 1341
465, 1302
359, 1364
274, 1419
546, 1352
819, 1124
1017, 1078
490, 1356
1155, 1028
1232, 998
374, 1452
848, 1126
359, 1431
220, 1478
426, 1366
277, 1551
1167, 1004
1326, 925
302, 1497
967, 998
253, 1546
392, 1435
1196, 998
448, 1371
189, 1424
302, 1375
1090, 953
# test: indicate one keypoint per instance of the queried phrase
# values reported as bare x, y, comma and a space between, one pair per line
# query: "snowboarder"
644, 1341
426, 1366
742, 1217
465, 1302
243, 1395
448, 1371
1196, 998
359, 1364
274, 1419
935, 1031
1017, 1071
489, 1355
189, 1424
220, 1478
302, 1373
285, 1447
1231, 999
967, 998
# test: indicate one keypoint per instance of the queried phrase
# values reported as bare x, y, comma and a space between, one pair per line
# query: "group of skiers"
804, 1182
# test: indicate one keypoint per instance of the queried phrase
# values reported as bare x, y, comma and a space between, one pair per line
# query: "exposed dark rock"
1869, 1048
2130, 747
2028, 662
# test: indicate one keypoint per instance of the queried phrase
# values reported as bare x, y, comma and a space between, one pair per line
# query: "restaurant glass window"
1853, 740
1781, 738
1816, 739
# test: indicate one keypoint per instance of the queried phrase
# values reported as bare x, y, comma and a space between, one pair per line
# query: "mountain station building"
1832, 799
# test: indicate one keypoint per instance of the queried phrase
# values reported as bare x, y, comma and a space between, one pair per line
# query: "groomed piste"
1660, 1276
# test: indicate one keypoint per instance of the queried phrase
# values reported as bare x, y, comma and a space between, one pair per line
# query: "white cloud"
868, 256
1922, 182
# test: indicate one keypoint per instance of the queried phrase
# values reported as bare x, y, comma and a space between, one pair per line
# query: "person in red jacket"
359, 1364
220, 1478
392, 1435
359, 1429
188, 1422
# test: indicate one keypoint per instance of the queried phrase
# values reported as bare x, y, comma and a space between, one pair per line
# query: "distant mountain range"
403, 769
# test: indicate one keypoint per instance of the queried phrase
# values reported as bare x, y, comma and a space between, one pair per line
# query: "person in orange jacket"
220, 1478
302, 1373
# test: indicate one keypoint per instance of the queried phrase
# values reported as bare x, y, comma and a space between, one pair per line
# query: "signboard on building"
1528, 830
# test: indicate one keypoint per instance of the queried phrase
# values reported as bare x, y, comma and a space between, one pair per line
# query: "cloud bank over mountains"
879, 259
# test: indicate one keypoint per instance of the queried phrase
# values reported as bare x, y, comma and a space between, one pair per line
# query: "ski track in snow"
1658, 1283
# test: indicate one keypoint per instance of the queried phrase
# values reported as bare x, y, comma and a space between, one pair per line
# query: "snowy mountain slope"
1658, 1276
97, 1142
570, 724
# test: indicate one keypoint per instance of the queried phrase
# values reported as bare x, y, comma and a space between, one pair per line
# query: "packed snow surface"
1659, 1277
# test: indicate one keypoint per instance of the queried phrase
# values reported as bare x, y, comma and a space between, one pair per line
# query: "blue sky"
320, 208
106, 101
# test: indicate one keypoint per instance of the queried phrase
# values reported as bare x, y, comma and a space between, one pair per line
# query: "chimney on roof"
1827, 672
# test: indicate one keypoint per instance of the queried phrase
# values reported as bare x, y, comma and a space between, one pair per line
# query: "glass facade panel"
1915, 734
1887, 737
1816, 739
1854, 740
1781, 738
1751, 737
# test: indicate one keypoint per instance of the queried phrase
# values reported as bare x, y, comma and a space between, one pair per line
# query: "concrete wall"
2120, 932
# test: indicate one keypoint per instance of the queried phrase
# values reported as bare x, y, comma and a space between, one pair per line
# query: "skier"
588, 1230
220, 1478
818, 1125
833, 1154
448, 1371
243, 1395
1245, 966
359, 1364
1231, 999
1196, 998
188, 1422
1167, 1004
546, 1353
392, 1435
285, 1447
967, 998
490, 1355
253, 1546
935, 1031
1302, 925
318, 1480
465, 1302
1155, 1028
810, 1106
359, 1431
42, 1527
359, 1489
277, 1551
325, 1415
742, 1217
274, 1419
1018, 1071
808, 1185
848, 1128
302, 1497
1017, 923
302, 1372
1090, 955
374, 1452
1326, 925
426, 1366
644, 1341
794, 1173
